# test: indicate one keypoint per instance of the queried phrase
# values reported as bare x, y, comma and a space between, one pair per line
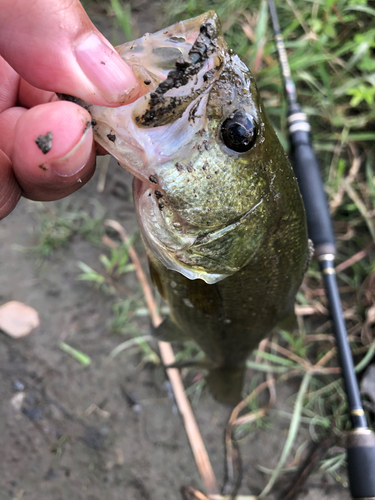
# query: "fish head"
208, 166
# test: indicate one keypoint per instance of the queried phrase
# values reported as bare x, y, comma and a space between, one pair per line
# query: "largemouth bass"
216, 199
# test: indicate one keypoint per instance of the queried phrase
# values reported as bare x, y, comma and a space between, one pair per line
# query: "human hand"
52, 46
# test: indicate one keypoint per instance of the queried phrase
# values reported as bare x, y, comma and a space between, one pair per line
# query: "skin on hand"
48, 47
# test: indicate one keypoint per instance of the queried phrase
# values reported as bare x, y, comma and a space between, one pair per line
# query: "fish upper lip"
186, 68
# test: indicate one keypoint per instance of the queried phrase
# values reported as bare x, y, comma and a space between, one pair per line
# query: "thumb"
54, 46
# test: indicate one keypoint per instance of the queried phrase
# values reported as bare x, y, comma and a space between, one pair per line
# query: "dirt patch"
109, 430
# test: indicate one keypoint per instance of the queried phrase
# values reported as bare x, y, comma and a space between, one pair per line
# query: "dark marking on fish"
88, 125
153, 179
205, 297
179, 166
183, 62
207, 76
147, 82
93, 123
200, 238
44, 142
43, 167
158, 194
220, 63
193, 112
111, 137
159, 108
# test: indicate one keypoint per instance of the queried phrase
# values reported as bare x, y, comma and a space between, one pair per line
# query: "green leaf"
78, 355
360, 8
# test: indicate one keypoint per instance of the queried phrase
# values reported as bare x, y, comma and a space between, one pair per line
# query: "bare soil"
109, 430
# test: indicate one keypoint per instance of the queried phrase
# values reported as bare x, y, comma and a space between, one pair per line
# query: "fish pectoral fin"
288, 322
168, 331
189, 363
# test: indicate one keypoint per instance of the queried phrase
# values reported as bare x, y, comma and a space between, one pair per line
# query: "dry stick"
190, 493
352, 193
104, 164
307, 468
235, 420
195, 439
355, 258
354, 169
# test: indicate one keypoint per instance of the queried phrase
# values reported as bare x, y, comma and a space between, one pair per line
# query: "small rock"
50, 474
18, 319
33, 414
17, 400
18, 386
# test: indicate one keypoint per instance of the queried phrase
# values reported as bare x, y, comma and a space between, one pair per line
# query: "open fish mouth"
194, 67
192, 139
174, 67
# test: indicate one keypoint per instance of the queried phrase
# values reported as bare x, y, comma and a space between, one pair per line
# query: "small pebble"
18, 386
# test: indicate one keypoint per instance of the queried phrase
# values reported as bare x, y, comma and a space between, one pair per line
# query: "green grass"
59, 223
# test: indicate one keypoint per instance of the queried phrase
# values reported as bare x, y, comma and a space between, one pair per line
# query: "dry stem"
196, 442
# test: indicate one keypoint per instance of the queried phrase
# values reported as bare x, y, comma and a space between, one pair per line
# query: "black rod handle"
361, 460
306, 169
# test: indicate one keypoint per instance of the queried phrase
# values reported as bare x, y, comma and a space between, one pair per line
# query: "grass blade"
293, 430
77, 355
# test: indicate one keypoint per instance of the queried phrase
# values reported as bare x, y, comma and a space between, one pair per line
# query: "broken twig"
195, 439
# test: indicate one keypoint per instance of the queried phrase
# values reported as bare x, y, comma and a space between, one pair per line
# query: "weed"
122, 17
60, 224
117, 263
78, 355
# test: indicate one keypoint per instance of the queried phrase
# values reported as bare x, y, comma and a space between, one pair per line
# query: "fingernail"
106, 70
75, 160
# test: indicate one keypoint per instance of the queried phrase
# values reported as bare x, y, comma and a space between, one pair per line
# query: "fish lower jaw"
175, 250
170, 261
177, 256
194, 274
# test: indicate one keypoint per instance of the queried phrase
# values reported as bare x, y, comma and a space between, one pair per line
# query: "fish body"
216, 199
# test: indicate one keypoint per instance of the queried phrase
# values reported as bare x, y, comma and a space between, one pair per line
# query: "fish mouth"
194, 48
164, 128
161, 109
175, 68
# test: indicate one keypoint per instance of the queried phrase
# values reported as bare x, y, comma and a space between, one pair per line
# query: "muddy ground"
109, 430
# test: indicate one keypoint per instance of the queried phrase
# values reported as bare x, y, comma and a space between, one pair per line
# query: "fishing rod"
361, 440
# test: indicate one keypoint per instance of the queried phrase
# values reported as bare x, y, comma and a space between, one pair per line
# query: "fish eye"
239, 132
